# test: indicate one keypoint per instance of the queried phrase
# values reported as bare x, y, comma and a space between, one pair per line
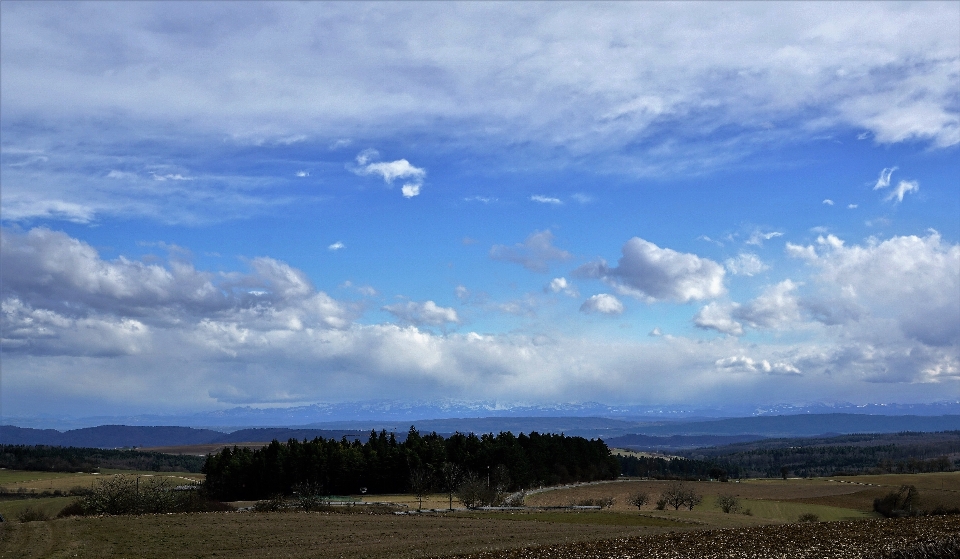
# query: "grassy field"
530, 533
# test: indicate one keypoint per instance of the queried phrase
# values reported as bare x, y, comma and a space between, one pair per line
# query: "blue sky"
207, 205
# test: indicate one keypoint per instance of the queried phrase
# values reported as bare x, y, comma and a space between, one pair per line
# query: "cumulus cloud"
828, 202
746, 264
602, 303
776, 307
649, 272
74, 322
534, 254
561, 285
910, 280
745, 364
390, 171
336, 246
717, 316
423, 314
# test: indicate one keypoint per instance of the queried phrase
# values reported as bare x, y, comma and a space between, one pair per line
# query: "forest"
384, 465
50, 458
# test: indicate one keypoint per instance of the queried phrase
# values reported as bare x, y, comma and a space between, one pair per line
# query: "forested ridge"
848, 454
384, 465
75, 459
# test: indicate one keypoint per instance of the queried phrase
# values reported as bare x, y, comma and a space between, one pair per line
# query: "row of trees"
675, 495
419, 464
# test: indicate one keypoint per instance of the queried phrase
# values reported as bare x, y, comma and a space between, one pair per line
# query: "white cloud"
423, 314
73, 322
851, 206
546, 200
390, 171
535, 254
561, 285
303, 174
482, 199
336, 246
655, 333
777, 307
410, 190
717, 316
903, 188
582, 198
741, 363
602, 303
758, 237
883, 180
746, 264
171, 177
649, 272
543, 82
828, 202
911, 280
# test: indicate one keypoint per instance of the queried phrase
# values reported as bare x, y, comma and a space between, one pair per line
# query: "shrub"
661, 503
808, 517
273, 504
309, 496
75, 508
902, 502
474, 493
32, 514
515, 500
728, 503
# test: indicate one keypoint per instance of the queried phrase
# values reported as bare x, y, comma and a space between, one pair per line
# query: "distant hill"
401, 414
807, 425
125, 436
109, 436
676, 442
610, 430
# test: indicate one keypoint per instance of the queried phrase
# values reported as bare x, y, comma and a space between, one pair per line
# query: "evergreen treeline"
383, 465
46, 458
832, 460
850, 454
670, 468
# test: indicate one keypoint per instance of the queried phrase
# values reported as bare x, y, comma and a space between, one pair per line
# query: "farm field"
12, 481
775, 506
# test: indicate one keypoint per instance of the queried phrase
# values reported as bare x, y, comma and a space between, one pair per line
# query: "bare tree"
638, 499
678, 495
451, 476
675, 495
473, 492
420, 483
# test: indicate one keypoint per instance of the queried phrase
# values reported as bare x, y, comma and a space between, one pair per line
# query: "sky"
211, 205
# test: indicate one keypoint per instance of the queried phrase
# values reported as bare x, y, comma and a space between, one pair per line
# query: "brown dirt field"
620, 491
307, 535
937, 536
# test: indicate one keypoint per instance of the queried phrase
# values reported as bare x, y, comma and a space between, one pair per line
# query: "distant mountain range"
616, 432
397, 413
